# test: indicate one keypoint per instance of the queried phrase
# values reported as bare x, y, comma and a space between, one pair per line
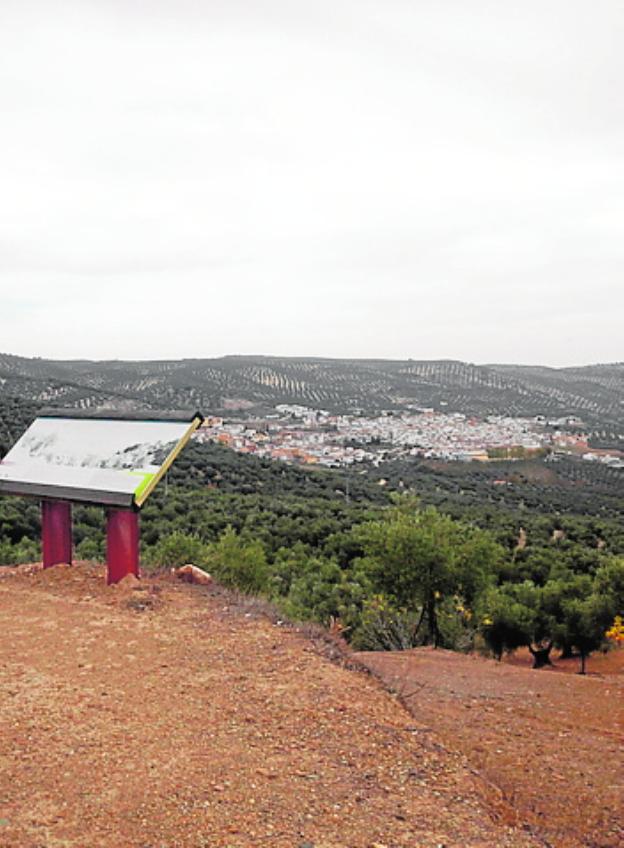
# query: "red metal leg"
56, 532
122, 543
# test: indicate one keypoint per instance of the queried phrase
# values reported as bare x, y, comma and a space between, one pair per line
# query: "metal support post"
122, 544
56, 532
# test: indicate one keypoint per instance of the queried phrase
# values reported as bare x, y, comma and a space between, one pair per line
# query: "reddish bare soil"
550, 742
168, 716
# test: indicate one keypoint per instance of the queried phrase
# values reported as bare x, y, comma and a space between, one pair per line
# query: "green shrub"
26, 550
91, 549
457, 625
175, 550
384, 627
326, 593
238, 563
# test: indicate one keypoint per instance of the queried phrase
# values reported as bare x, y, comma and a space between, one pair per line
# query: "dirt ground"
551, 742
172, 716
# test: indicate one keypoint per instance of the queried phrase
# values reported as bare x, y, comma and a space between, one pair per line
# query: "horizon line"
312, 357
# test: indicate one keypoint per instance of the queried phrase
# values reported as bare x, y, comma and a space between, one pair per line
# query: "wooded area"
425, 554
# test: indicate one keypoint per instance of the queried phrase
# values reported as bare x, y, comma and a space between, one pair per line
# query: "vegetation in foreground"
389, 570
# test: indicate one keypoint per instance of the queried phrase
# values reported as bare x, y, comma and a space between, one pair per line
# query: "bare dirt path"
162, 718
552, 743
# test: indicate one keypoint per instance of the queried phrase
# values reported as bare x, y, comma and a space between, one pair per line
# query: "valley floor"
169, 716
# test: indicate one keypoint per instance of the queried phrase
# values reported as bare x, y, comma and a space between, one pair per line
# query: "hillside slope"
595, 393
550, 740
166, 716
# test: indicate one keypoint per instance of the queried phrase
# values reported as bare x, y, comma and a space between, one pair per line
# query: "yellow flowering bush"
616, 631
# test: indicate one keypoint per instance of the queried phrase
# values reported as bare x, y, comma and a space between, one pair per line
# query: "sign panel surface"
95, 460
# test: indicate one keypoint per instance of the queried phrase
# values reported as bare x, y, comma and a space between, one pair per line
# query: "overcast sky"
399, 178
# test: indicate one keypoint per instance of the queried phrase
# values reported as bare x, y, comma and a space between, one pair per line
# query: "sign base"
122, 544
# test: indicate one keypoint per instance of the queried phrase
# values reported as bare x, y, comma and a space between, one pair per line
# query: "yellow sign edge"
167, 463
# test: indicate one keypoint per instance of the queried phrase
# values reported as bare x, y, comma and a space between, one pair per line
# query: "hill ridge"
592, 393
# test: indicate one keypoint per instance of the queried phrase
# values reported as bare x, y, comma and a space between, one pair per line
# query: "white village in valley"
301, 434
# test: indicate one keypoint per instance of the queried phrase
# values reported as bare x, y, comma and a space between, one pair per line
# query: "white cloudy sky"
398, 178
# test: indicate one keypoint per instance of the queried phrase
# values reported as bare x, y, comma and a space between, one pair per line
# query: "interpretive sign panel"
113, 461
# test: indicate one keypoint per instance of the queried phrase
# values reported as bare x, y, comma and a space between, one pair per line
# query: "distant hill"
594, 393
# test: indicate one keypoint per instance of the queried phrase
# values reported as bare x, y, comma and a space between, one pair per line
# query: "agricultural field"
594, 394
